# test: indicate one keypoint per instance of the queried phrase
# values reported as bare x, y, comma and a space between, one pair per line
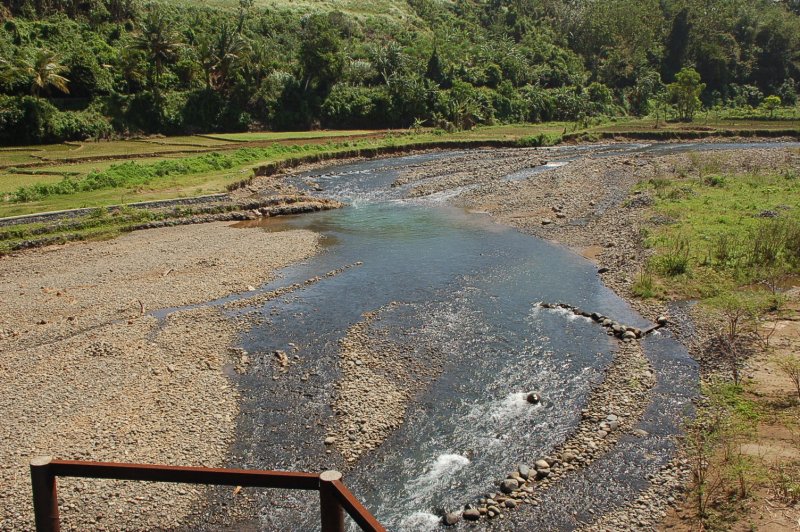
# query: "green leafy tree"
159, 41
685, 93
388, 59
220, 54
770, 104
321, 56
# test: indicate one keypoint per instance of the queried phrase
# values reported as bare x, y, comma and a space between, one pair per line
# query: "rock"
561, 215
451, 518
662, 320
640, 433
542, 473
524, 471
533, 398
568, 457
542, 464
509, 485
611, 417
603, 270
546, 221
629, 335
471, 514
330, 440
510, 503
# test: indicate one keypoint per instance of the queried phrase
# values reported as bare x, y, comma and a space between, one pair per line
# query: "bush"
80, 125
25, 120
350, 106
676, 260
767, 242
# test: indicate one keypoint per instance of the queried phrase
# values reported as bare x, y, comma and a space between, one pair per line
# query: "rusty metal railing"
334, 497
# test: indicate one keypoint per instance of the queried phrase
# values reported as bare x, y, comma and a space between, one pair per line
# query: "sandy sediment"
88, 374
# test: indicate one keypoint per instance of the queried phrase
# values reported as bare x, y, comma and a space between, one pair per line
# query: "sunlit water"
467, 288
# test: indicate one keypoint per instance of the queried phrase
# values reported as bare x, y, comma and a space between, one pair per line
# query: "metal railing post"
331, 511
45, 496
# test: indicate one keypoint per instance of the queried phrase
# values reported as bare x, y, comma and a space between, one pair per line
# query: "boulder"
524, 471
451, 518
509, 485
471, 514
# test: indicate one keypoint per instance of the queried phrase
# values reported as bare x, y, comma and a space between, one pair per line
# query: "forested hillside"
75, 69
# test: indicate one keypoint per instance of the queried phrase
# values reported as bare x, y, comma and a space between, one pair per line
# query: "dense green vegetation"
101, 68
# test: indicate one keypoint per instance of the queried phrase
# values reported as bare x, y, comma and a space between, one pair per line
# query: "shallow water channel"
464, 288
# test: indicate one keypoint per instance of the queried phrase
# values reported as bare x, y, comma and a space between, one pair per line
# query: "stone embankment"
69, 230
614, 407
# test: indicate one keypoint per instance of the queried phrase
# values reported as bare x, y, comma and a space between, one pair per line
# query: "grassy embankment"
98, 174
732, 242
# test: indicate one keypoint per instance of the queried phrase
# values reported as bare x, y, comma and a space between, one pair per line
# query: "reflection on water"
468, 288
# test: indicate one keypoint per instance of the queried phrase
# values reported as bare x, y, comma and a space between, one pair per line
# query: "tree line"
73, 69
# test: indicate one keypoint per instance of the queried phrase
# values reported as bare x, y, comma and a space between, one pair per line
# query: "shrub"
768, 240
80, 125
676, 260
350, 106
644, 287
725, 248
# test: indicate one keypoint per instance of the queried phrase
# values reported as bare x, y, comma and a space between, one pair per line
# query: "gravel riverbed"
89, 374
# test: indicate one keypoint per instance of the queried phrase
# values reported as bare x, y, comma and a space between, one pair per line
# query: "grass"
723, 234
45, 166
287, 135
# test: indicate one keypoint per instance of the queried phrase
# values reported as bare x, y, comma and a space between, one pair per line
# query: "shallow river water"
466, 288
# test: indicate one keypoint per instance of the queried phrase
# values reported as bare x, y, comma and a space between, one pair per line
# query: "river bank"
593, 207
589, 205
89, 374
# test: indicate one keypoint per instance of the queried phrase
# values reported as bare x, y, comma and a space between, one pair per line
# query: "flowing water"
459, 285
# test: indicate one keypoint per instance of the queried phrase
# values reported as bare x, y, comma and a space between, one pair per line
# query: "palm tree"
43, 70
220, 56
158, 41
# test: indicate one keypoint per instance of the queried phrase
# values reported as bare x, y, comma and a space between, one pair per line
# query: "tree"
685, 93
388, 60
321, 54
158, 40
43, 71
770, 104
435, 69
220, 54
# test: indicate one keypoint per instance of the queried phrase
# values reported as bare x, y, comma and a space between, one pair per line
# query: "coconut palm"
159, 42
220, 54
43, 70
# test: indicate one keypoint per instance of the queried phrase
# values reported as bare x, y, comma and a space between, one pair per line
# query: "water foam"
444, 466
420, 521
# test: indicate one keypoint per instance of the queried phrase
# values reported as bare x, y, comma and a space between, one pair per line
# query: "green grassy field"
725, 231
50, 164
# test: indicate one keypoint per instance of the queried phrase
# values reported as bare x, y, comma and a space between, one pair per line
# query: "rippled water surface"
467, 289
